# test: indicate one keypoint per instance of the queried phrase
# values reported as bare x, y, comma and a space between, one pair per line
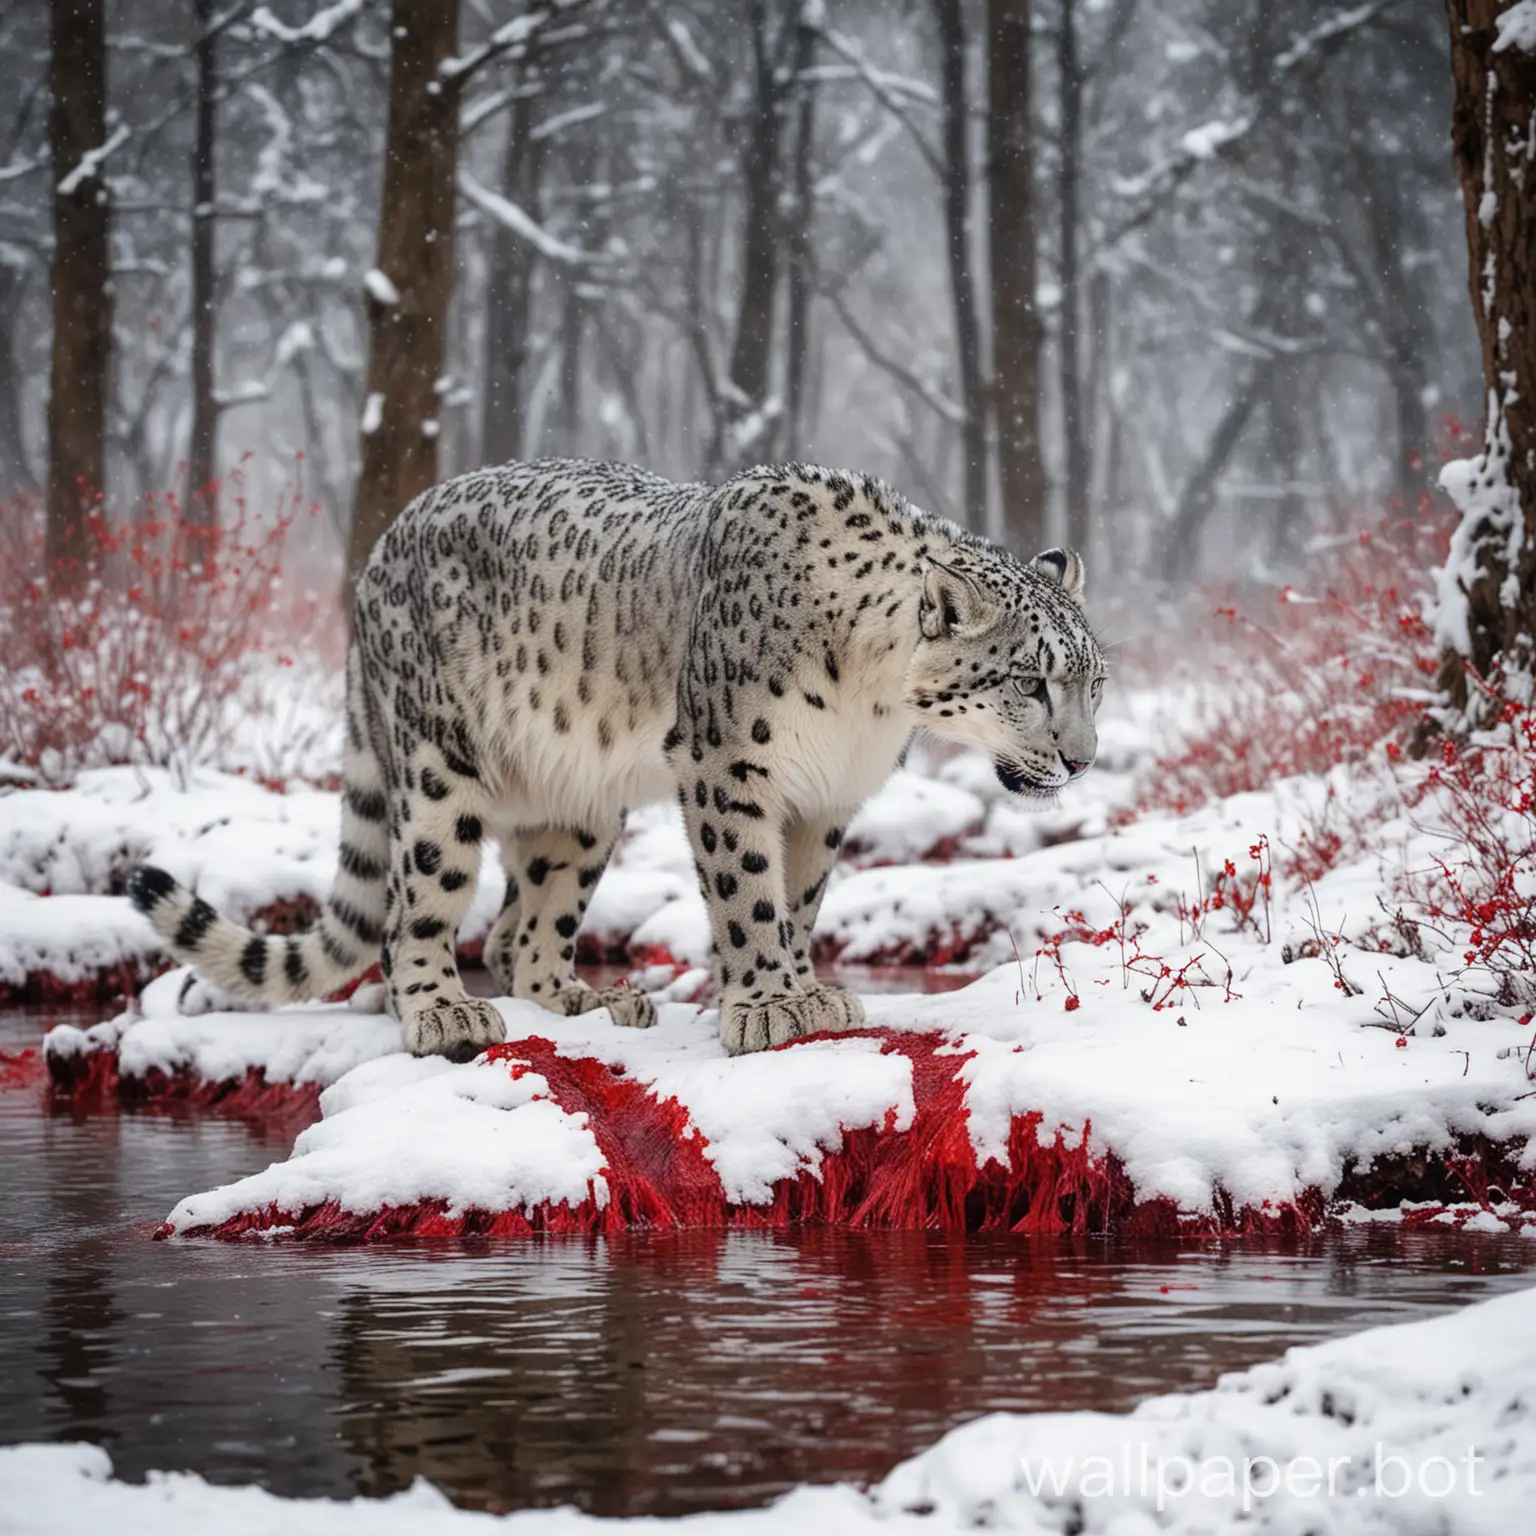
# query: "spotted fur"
539, 647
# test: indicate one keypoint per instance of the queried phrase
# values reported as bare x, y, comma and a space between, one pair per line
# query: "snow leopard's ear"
1064, 566
952, 602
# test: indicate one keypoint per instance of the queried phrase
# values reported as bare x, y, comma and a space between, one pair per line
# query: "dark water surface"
654, 1374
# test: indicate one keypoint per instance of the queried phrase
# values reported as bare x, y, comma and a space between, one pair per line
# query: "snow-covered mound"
1034, 1099
1427, 1426
1176, 1031
59, 947
267, 1064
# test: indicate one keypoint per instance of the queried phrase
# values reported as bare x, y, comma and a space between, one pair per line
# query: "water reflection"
649, 1374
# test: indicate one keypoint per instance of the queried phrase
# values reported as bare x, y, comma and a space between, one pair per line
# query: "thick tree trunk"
509, 303
1016, 330
1077, 467
957, 226
408, 294
201, 461
82, 294
1487, 591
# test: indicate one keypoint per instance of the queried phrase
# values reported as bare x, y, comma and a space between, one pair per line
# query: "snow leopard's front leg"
557, 872
768, 993
811, 846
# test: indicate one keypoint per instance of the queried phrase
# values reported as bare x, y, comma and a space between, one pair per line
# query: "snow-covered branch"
507, 214
91, 163
320, 27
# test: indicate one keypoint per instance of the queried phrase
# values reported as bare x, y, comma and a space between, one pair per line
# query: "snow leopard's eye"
1033, 688
1098, 689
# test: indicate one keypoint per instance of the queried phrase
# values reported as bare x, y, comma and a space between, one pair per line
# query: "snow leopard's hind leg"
499, 956
557, 871
269, 971
435, 837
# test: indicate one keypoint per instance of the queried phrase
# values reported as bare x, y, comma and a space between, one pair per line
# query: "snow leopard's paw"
631, 1009
748, 1026
459, 1031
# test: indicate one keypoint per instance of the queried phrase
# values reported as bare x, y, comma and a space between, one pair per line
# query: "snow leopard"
540, 647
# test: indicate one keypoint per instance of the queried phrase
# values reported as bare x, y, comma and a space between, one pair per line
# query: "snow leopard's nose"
1075, 768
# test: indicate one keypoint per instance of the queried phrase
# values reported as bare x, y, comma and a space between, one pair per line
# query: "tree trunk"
201, 505
801, 276
15, 471
1283, 421
752, 351
1198, 499
567, 412
1016, 330
1074, 425
957, 226
82, 292
408, 294
1487, 590
509, 302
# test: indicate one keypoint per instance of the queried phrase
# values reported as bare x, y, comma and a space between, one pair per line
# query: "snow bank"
70, 946
1034, 1099
1427, 1426
274, 1064
1182, 1039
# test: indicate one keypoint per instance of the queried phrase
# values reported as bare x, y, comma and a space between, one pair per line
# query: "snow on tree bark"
407, 327
82, 294
1486, 610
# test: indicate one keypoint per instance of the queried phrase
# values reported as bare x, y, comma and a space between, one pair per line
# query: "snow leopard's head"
1007, 663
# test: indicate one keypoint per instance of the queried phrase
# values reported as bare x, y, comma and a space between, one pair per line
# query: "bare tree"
1488, 587
15, 470
509, 296
957, 224
409, 289
801, 218
1016, 329
743, 429
82, 293
201, 465
1069, 174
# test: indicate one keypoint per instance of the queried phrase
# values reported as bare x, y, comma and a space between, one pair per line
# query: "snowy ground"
1221, 1006
1424, 1427
1250, 1103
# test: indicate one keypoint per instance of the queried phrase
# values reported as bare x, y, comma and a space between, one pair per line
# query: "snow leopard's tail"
345, 941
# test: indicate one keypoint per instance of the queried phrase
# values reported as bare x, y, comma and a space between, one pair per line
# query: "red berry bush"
162, 645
